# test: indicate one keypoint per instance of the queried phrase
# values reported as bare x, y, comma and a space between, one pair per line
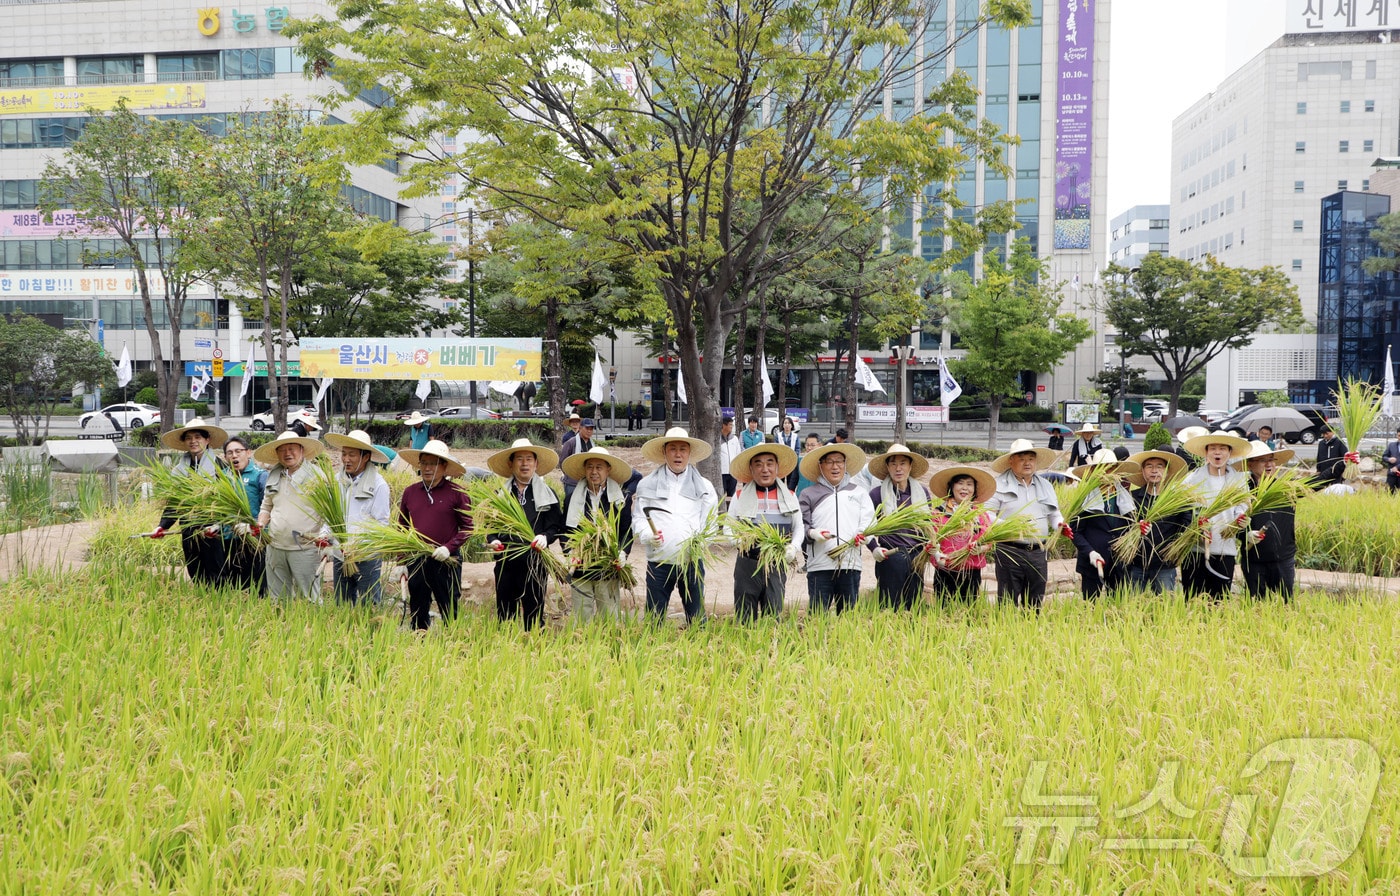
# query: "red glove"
859, 539
1066, 531
1352, 457
323, 542
212, 532
1144, 527
1203, 522
255, 529
158, 532
1241, 519
497, 546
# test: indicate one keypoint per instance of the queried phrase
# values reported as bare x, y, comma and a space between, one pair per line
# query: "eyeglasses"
235, 450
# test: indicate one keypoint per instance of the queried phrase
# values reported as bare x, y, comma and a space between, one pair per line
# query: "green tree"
1181, 314
1273, 398
682, 131
1107, 383
39, 365
1387, 237
132, 174
1010, 322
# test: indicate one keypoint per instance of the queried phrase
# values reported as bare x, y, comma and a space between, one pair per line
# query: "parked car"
263, 422
466, 411
126, 415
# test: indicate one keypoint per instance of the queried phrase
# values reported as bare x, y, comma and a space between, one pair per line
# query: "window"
1302, 108
1297, 225
111, 69
1342, 184
1297, 186
1370, 105
1368, 146
1343, 146
1300, 147
21, 194
31, 72
191, 66
1346, 106
1297, 264
1366, 185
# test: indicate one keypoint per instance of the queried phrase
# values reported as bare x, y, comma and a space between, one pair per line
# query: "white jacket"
683, 504
1210, 486
844, 511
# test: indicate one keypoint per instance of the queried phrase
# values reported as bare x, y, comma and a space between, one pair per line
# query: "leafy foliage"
39, 365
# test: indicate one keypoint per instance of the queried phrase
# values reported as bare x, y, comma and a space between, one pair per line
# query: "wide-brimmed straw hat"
1197, 446
811, 461
654, 450
1258, 449
878, 462
1088, 429
435, 448
267, 454
1107, 459
217, 435
739, 466
414, 419
1188, 433
1176, 465
1044, 457
940, 483
546, 458
357, 438
618, 469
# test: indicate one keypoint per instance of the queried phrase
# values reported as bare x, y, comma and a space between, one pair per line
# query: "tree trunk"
759, 405
666, 394
783, 375
900, 398
993, 415
167, 381
741, 340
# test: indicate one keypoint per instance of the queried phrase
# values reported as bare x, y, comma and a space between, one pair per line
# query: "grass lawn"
152, 740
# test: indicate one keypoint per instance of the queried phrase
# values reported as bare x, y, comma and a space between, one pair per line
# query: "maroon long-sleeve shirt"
443, 516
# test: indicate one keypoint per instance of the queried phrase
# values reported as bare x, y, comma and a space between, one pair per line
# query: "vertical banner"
1074, 125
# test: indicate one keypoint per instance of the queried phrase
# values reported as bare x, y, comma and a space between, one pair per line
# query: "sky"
1164, 56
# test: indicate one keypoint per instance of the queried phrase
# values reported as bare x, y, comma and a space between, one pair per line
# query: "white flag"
322, 385
1074, 284
1387, 403
197, 385
948, 388
763, 376
865, 377
124, 367
680, 386
248, 366
425, 388
599, 391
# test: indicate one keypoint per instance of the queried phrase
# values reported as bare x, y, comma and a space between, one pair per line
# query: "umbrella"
1053, 428
577, 402
1280, 420
1177, 424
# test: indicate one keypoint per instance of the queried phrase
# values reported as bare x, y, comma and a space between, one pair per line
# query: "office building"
1138, 231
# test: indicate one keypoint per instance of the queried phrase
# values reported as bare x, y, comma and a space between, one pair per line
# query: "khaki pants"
595, 598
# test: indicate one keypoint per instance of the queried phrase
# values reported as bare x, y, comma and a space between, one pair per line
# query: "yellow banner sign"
415, 359
104, 97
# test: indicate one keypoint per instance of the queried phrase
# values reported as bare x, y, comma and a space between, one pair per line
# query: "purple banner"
1074, 125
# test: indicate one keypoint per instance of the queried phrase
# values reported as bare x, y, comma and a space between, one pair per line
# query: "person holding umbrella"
1057, 436
203, 547
1106, 515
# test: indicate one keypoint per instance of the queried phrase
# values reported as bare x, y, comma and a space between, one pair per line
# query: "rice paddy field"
156, 740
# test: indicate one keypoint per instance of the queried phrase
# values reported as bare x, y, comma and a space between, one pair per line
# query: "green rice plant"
1194, 536
1017, 527
596, 550
112, 547
327, 501
699, 546
1279, 491
1357, 533
1358, 408
1072, 496
389, 541
398, 481
91, 495
771, 542
945, 523
497, 514
28, 490
911, 519
186, 495
1175, 497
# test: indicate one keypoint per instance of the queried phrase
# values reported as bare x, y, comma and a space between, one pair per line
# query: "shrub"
463, 433
960, 453
1156, 437
144, 436
148, 395
200, 408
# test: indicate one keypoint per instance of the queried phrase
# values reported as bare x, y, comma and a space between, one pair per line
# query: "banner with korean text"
140, 97
410, 358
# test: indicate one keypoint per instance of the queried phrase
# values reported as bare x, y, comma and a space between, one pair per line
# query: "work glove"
252, 529
880, 554
323, 543
495, 546
978, 548
1097, 559
327, 551
1066, 531
1352, 457
618, 562
441, 553
819, 535
539, 542
158, 532
1242, 520
794, 553
212, 531
859, 539
1254, 536
1145, 526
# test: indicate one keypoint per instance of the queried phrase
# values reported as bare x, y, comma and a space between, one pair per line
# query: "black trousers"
432, 580
1021, 575
756, 594
957, 585
520, 588
244, 566
1211, 579
1263, 577
204, 557
1115, 576
897, 585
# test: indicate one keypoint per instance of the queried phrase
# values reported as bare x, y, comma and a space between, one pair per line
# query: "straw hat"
654, 450
1106, 458
787, 460
546, 458
1044, 457
1088, 429
1197, 446
217, 435
811, 461
619, 470
1190, 432
940, 483
1258, 449
357, 438
435, 448
267, 454
1175, 465
878, 462
415, 419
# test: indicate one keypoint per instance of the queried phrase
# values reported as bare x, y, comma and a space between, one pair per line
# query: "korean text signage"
885, 413
84, 283
1074, 125
1312, 16
415, 359
210, 20
140, 97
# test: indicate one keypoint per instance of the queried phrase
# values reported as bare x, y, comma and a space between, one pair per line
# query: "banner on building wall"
1074, 125
1313, 16
887, 413
86, 283
414, 359
103, 97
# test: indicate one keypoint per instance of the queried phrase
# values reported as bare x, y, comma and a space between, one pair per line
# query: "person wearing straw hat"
580, 443
1086, 445
1269, 559
203, 548
1182, 437
521, 577
1150, 569
671, 505
763, 497
366, 500
1020, 565
898, 583
951, 487
439, 510
573, 422
835, 512
600, 479
420, 431
244, 566
1210, 571
1107, 513
294, 531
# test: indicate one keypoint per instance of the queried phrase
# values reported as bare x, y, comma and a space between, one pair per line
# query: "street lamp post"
471, 289
1122, 391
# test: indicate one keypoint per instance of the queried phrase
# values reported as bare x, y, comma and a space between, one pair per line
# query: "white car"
126, 415
263, 422
482, 413
772, 422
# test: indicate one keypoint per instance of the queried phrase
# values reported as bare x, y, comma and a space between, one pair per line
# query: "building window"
1300, 147
1346, 106
21, 194
1302, 108
1368, 146
1370, 105
1297, 264
111, 69
1297, 186
1366, 185
1297, 225
1342, 184
1343, 146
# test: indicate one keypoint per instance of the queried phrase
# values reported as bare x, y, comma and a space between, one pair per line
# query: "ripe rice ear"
1016, 527
1193, 537
496, 513
1174, 498
597, 550
327, 500
1072, 496
772, 543
390, 541
1358, 407
911, 519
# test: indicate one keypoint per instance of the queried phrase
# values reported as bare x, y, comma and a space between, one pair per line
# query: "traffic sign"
218, 367
218, 353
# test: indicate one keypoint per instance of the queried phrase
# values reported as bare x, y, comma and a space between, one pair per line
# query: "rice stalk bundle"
699, 547
1358, 408
1017, 527
390, 541
327, 500
945, 523
1175, 497
1279, 491
597, 550
916, 519
771, 542
1193, 537
185, 494
1072, 496
496, 514
398, 480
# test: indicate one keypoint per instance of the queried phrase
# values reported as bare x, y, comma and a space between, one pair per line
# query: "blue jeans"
663, 578
833, 589
1163, 580
362, 587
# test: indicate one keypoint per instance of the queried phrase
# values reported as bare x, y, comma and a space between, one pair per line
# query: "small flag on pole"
599, 387
124, 367
949, 390
763, 375
865, 377
248, 372
1387, 402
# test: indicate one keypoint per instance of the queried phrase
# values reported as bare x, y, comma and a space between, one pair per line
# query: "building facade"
1138, 231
